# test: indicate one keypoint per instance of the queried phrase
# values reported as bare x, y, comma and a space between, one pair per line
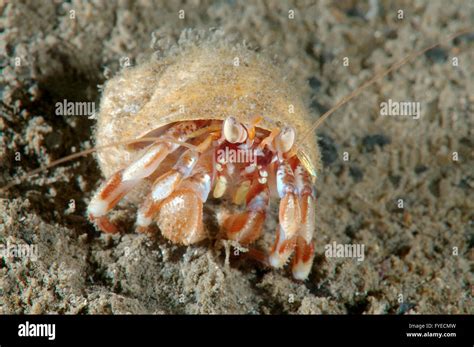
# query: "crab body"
227, 124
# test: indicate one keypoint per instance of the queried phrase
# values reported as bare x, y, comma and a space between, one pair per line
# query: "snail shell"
199, 82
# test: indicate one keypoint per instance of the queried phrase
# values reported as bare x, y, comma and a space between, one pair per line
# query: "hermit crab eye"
285, 139
234, 132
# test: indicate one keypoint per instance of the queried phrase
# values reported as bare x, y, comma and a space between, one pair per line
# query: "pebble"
328, 149
316, 106
370, 141
420, 169
314, 83
437, 55
356, 173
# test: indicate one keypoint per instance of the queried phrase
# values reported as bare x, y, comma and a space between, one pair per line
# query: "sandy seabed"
418, 259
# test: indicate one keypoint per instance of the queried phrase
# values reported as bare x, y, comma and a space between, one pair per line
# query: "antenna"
375, 78
89, 151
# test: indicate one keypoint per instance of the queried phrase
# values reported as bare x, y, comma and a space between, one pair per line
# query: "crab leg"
121, 182
246, 227
289, 216
304, 252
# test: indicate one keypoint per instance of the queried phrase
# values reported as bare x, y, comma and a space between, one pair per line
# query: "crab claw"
180, 218
180, 214
246, 227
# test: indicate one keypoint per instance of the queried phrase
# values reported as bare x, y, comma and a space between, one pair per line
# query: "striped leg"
304, 254
289, 216
121, 182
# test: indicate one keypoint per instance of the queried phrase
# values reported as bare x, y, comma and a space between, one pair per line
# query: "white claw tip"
301, 270
143, 221
97, 207
276, 261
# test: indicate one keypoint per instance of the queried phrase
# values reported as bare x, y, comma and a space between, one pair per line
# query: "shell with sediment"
200, 82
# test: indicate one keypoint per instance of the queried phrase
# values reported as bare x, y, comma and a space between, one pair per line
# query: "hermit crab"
211, 121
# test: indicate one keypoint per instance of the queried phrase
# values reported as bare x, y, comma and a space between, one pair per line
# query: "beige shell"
200, 82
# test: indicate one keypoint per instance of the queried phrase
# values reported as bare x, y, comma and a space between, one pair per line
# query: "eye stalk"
285, 139
234, 132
